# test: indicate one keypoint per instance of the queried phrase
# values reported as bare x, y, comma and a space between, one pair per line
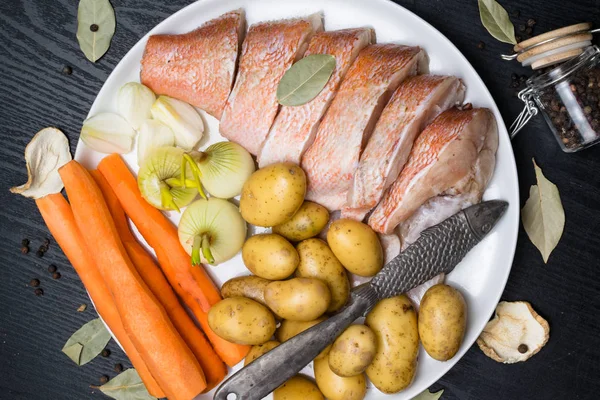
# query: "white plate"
482, 275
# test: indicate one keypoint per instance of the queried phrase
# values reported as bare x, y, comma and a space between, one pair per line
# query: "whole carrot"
211, 364
59, 219
146, 322
192, 284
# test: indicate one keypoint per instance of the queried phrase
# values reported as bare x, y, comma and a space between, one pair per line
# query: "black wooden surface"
37, 39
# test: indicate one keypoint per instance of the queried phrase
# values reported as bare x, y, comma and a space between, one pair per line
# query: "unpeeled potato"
298, 299
270, 256
353, 351
298, 388
242, 321
308, 221
335, 387
260, 349
356, 245
252, 287
289, 329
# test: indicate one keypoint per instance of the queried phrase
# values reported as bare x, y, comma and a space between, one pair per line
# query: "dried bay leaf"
427, 395
95, 41
126, 386
305, 79
543, 215
87, 342
496, 20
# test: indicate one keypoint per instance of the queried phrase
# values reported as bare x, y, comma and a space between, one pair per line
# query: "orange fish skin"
295, 128
443, 156
197, 67
416, 102
268, 51
333, 157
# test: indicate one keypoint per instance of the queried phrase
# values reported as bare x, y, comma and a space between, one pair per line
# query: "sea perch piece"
269, 49
197, 67
295, 128
416, 102
453, 156
333, 157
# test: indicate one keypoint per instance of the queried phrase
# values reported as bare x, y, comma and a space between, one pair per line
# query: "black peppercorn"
518, 38
34, 282
38, 292
105, 353
52, 268
24, 249
522, 28
56, 275
25, 242
529, 31
94, 27
118, 368
587, 110
523, 348
531, 22
104, 379
46, 242
40, 252
481, 45
67, 70
515, 84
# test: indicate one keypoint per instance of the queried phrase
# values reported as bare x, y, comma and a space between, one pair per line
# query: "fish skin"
443, 160
416, 102
268, 51
295, 128
197, 67
331, 160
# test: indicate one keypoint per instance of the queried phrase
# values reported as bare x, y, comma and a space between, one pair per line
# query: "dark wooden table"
37, 39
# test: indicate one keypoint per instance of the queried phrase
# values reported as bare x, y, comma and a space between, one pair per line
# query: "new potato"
442, 321
309, 221
318, 261
241, 320
356, 245
270, 256
298, 388
335, 387
260, 349
394, 322
298, 299
289, 329
252, 287
353, 351
273, 194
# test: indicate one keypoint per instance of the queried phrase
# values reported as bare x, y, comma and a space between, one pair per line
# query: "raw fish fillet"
416, 102
197, 67
333, 157
295, 128
452, 156
269, 49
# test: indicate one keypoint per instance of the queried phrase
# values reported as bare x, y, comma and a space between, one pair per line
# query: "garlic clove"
108, 133
153, 134
134, 102
44, 155
183, 119
515, 334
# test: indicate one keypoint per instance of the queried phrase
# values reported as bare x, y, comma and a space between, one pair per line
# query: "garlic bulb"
134, 102
108, 133
182, 118
153, 134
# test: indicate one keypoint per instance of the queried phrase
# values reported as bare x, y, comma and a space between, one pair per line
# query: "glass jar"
568, 96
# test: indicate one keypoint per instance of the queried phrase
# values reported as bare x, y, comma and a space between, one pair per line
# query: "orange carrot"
192, 284
59, 219
146, 322
211, 364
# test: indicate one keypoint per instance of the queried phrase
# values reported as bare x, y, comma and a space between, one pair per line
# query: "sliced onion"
134, 102
108, 133
152, 135
182, 118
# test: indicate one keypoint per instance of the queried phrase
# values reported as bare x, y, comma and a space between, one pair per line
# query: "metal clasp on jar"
529, 111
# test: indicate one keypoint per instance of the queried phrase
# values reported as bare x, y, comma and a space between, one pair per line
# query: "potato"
356, 245
442, 321
298, 299
317, 261
252, 287
335, 387
241, 320
394, 322
270, 256
260, 349
289, 329
308, 221
298, 388
273, 194
353, 351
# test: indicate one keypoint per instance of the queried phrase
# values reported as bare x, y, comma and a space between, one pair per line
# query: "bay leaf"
305, 79
543, 215
427, 395
496, 20
101, 14
126, 386
87, 342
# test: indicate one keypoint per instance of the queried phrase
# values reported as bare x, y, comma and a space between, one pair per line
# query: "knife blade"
438, 249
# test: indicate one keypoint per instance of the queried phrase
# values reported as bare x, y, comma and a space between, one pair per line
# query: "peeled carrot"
146, 322
211, 364
192, 284
59, 219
